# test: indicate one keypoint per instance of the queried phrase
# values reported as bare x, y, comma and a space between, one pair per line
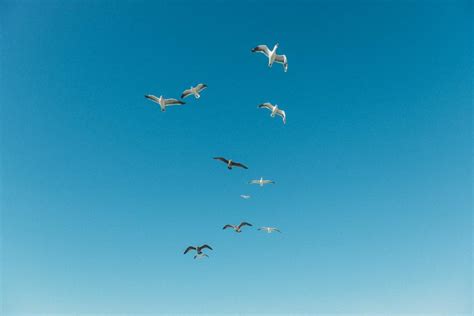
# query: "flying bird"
269, 229
245, 197
274, 109
237, 229
231, 163
163, 102
262, 182
201, 256
194, 91
272, 55
199, 253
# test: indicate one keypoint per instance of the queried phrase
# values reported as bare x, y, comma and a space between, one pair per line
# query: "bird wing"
205, 246
228, 226
268, 181
186, 93
222, 159
201, 87
170, 102
261, 49
282, 114
201, 256
267, 105
238, 164
254, 181
282, 60
244, 224
189, 248
276, 230
152, 97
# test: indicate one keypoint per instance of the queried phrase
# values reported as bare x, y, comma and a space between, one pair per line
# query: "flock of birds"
274, 109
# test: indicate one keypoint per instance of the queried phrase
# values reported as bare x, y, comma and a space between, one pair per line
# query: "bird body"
162, 102
245, 197
274, 110
194, 91
230, 163
238, 228
261, 182
272, 55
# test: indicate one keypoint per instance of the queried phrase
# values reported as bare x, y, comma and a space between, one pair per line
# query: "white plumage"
194, 91
274, 110
261, 182
272, 55
163, 102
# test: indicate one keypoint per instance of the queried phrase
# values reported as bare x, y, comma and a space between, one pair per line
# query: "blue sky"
101, 192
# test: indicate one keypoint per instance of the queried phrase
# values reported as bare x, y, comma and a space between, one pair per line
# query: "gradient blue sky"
101, 192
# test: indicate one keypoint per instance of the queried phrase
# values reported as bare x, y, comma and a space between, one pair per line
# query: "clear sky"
101, 192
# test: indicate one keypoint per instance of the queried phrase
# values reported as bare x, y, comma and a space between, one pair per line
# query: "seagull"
201, 256
261, 182
245, 197
237, 229
269, 229
198, 249
194, 90
231, 163
163, 102
272, 55
274, 109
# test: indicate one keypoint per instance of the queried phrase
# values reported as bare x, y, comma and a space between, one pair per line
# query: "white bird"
269, 229
272, 55
163, 102
238, 228
199, 253
261, 182
245, 197
274, 109
194, 91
